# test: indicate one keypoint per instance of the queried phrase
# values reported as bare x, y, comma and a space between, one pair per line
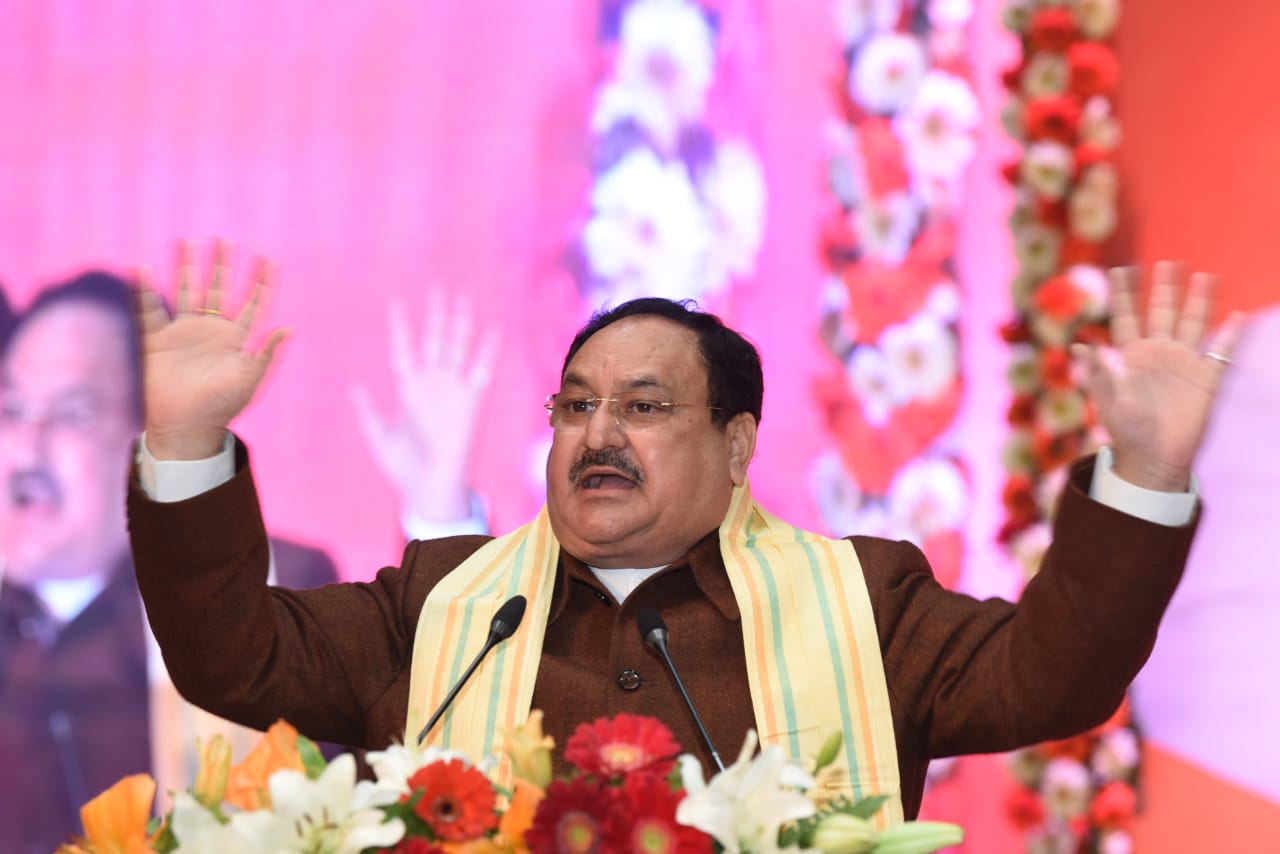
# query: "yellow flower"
210, 787
530, 751
115, 822
247, 783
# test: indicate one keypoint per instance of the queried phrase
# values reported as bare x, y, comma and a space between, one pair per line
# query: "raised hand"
1155, 387
423, 448
198, 372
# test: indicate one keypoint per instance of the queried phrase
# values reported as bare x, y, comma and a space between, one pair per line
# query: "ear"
741, 431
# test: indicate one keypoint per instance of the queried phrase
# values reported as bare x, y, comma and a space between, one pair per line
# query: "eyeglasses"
633, 411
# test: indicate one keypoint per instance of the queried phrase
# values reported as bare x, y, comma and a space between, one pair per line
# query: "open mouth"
606, 480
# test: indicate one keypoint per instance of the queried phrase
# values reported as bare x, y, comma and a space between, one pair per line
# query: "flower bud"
829, 751
841, 833
214, 765
530, 751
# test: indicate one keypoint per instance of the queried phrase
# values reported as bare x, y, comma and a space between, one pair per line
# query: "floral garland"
628, 793
1078, 794
898, 152
676, 209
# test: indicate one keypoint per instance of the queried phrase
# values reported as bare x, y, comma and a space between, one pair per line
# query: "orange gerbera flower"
247, 782
115, 822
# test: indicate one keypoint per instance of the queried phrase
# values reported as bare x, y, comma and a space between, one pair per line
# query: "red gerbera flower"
628, 744
578, 817
1056, 118
457, 801
1114, 805
651, 809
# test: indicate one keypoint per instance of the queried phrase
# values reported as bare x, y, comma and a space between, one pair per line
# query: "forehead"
641, 349
77, 343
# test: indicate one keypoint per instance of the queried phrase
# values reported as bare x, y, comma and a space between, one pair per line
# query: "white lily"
198, 831
333, 814
743, 806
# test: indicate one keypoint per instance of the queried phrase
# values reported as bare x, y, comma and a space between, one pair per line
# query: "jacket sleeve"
979, 677
253, 653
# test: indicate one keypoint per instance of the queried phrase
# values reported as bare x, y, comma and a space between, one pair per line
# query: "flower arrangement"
898, 148
631, 791
1065, 187
1078, 794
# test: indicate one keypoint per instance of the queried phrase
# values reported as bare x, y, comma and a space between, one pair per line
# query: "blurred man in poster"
84, 699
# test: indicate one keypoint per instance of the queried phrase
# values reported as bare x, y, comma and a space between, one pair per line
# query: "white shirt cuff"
418, 528
1163, 508
177, 480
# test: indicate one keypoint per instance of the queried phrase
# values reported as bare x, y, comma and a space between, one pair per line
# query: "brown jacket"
964, 676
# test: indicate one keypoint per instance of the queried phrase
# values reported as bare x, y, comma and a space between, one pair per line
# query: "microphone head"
508, 618
651, 626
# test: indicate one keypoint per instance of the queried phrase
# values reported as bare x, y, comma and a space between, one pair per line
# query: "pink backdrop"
370, 153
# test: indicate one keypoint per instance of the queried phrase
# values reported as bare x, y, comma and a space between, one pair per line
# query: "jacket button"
628, 680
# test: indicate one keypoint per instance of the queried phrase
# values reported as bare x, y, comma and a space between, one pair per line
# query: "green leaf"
866, 807
313, 761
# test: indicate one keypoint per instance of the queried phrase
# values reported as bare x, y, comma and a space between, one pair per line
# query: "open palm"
1155, 387
198, 371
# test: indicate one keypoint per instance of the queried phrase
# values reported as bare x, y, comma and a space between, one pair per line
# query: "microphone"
654, 632
503, 626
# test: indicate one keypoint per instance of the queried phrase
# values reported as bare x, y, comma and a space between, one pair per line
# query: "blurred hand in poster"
199, 371
423, 446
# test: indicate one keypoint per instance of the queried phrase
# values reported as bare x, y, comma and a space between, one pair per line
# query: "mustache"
33, 484
610, 457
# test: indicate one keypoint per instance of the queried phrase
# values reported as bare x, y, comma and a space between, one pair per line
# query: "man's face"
627, 499
66, 426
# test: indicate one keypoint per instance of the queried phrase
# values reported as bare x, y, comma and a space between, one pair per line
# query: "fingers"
152, 315
1162, 307
1223, 342
376, 430
401, 350
263, 277
1124, 317
186, 275
1196, 308
262, 359
486, 356
217, 274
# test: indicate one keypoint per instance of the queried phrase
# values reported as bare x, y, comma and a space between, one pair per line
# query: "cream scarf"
813, 656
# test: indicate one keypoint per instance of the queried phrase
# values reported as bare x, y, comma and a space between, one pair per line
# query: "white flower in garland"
333, 813
937, 127
1047, 169
887, 72
1066, 788
1097, 125
1016, 15
943, 302
734, 192
921, 358
869, 380
1046, 75
1091, 210
648, 234
1091, 282
857, 19
1117, 754
1097, 18
1037, 248
838, 494
744, 805
667, 47
929, 496
887, 225
1061, 411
